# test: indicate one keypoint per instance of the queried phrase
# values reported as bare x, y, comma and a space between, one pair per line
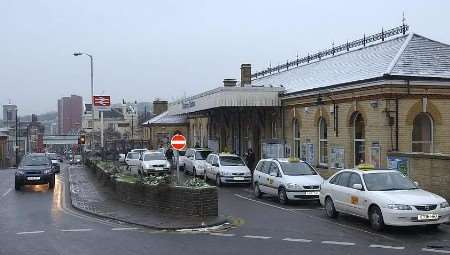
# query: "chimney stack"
246, 75
229, 82
159, 106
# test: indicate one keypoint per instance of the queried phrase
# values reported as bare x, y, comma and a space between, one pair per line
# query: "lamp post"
92, 89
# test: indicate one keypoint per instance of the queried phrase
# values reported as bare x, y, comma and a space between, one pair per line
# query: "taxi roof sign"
293, 160
365, 167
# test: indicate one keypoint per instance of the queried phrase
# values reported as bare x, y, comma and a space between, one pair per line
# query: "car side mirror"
215, 164
416, 183
357, 186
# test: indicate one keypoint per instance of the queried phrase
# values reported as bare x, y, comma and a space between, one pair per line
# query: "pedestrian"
250, 159
197, 145
169, 155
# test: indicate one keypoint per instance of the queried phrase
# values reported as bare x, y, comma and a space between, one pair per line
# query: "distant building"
9, 114
69, 114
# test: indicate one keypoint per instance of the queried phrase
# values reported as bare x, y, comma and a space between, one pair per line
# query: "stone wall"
173, 200
431, 171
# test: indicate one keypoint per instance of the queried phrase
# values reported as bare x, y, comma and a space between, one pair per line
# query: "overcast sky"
167, 49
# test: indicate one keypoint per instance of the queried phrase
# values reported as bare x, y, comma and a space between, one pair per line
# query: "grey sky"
147, 49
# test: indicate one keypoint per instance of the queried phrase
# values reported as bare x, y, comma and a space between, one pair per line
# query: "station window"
323, 142
296, 136
422, 135
359, 139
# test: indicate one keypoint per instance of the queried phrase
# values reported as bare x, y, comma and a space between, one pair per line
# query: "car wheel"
51, 183
282, 197
257, 191
330, 210
17, 185
218, 181
376, 219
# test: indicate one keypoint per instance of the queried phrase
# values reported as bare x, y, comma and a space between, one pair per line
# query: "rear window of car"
133, 155
52, 156
297, 168
181, 153
231, 161
202, 155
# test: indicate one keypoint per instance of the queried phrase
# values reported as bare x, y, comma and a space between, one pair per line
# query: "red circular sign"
178, 142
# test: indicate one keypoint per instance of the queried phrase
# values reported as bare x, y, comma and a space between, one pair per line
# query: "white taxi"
288, 179
227, 168
384, 197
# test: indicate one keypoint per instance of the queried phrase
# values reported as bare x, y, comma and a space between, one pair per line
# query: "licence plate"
312, 193
238, 178
33, 178
428, 217
158, 168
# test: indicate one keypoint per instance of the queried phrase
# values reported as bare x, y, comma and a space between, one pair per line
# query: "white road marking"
30, 232
257, 237
222, 234
77, 230
297, 240
6, 193
436, 251
386, 247
119, 229
338, 243
263, 203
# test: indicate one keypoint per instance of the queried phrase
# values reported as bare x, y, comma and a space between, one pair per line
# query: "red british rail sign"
102, 103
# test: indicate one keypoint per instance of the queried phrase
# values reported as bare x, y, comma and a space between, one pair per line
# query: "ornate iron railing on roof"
335, 49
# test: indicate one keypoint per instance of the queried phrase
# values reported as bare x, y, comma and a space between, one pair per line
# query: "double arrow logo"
102, 101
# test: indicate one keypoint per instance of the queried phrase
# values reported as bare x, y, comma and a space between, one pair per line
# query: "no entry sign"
178, 142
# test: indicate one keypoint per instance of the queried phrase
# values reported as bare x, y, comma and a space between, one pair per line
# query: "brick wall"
178, 201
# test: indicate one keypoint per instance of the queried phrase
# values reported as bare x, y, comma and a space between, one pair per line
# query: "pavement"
36, 220
90, 196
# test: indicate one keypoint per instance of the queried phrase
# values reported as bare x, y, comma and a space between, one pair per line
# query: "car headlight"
444, 204
20, 172
47, 171
222, 173
293, 186
167, 165
399, 207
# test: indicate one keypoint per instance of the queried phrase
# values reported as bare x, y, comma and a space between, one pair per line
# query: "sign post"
102, 103
178, 142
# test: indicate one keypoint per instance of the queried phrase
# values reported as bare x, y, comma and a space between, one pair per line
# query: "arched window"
296, 136
359, 136
323, 142
422, 136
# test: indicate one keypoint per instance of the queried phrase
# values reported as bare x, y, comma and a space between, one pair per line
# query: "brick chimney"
159, 106
229, 82
246, 75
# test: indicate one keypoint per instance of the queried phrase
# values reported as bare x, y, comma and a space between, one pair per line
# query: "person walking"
169, 156
250, 159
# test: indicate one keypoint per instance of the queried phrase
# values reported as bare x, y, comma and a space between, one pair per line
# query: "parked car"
140, 151
195, 161
384, 197
288, 179
56, 164
227, 168
154, 163
182, 159
121, 158
133, 159
35, 168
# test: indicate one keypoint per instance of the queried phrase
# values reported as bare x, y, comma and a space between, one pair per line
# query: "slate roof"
164, 119
407, 55
113, 114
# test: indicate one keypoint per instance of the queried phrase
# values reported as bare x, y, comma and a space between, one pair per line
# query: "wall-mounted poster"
337, 159
213, 144
375, 155
398, 163
308, 153
272, 148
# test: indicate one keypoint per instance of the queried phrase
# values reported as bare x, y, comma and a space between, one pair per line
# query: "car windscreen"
52, 156
387, 181
231, 161
154, 156
36, 161
182, 153
133, 155
297, 168
201, 155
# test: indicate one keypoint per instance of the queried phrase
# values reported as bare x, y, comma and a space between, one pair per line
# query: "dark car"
35, 168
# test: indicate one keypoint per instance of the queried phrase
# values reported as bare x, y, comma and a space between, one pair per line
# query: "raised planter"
173, 200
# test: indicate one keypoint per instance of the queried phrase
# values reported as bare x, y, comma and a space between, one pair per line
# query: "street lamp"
76, 54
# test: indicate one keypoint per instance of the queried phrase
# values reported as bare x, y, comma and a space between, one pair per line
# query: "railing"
331, 52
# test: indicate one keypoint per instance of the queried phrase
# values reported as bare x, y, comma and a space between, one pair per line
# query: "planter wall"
178, 201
